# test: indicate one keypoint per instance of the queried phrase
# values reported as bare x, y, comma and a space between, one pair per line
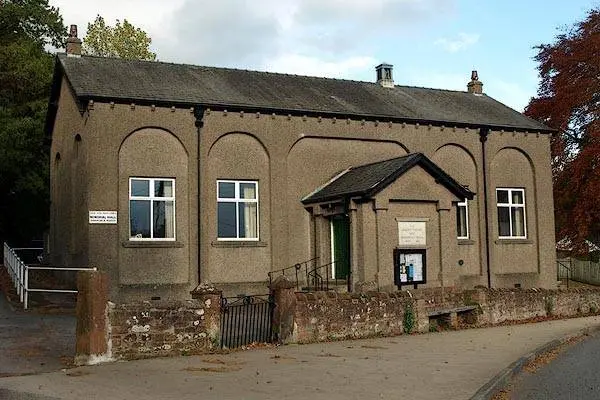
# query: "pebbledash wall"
107, 331
101, 139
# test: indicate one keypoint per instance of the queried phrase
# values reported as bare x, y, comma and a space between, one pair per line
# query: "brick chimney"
384, 75
73, 43
475, 86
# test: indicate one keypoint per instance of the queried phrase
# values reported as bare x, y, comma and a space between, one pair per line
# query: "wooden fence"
585, 271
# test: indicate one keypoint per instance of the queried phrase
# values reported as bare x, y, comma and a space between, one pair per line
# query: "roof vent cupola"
73, 43
384, 75
475, 86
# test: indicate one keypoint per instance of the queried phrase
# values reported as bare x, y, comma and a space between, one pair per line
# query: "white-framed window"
511, 213
151, 209
462, 219
237, 210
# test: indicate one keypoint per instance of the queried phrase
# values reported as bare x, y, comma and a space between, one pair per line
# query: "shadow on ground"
38, 340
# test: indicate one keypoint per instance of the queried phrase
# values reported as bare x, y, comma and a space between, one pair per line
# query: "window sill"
513, 241
238, 243
151, 243
463, 242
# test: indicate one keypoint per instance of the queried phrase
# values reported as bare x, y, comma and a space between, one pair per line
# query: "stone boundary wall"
164, 328
324, 316
107, 331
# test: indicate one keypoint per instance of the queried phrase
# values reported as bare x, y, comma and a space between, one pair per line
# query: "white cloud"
304, 36
462, 42
306, 65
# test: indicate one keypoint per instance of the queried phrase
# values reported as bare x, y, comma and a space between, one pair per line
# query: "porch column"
322, 240
447, 248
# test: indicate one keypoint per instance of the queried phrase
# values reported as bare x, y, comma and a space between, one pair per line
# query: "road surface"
574, 374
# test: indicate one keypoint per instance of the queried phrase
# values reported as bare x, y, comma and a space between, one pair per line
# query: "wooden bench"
449, 316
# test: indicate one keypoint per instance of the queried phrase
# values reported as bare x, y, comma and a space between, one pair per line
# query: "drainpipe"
199, 114
350, 272
483, 136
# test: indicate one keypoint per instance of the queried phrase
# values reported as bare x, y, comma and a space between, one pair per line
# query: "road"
574, 374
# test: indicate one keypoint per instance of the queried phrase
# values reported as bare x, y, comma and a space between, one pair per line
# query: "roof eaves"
309, 112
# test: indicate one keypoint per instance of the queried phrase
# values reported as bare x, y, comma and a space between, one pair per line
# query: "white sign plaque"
103, 217
412, 233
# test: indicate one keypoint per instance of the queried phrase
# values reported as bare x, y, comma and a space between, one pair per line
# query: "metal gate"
246, 320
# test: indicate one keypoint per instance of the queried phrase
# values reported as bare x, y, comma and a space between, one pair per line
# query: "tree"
26, 26
123, 40
568, 100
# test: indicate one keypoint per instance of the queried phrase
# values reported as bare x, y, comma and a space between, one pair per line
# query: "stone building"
167, 175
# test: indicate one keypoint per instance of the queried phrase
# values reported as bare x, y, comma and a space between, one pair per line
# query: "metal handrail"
569, 271
19, 273
321, 280
298, 271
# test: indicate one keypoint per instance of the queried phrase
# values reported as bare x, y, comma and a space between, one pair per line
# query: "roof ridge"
386, 160
325, 78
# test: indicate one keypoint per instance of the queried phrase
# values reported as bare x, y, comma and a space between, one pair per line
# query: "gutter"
85, 97
483, 136
199, 114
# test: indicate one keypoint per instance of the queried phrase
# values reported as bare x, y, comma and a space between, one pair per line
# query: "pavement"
32, 343
445, 365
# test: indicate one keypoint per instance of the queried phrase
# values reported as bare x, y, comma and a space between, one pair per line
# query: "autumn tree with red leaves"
568, 100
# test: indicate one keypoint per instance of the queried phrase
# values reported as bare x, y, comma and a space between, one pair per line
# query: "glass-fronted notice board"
410, 267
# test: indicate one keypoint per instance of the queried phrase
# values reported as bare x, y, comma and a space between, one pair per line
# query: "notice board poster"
410, 266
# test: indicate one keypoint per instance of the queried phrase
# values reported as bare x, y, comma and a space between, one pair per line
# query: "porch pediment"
365, 181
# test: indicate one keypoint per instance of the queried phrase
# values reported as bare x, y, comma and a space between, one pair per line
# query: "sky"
430, 43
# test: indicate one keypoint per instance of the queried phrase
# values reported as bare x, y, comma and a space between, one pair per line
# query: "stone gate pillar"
284, 297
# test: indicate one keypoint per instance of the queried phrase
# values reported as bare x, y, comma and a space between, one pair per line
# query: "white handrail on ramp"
19, 273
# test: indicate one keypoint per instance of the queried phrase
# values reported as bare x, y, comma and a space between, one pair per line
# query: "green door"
340, 230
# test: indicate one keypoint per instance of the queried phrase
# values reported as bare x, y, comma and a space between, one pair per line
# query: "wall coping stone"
282, 282
205, 288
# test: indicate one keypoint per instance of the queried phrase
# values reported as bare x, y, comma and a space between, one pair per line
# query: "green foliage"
123, 40
34, 21
409, 319
26, 26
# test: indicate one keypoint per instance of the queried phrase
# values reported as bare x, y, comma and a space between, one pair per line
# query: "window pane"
226, 220
502, 196
163, 188
503, 221
247, 190
226, 190
164, 219
517, 197
139, 218
248, 220
518, 221
140, 187
461, 221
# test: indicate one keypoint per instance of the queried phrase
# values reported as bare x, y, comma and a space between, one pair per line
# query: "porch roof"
367, 180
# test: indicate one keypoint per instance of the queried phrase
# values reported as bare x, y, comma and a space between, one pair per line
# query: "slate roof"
114, 79
367, 180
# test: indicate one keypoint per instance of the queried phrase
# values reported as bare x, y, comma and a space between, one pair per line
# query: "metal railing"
563, 271
324, 277
297, 273
19, 273
311, 276
246, 320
